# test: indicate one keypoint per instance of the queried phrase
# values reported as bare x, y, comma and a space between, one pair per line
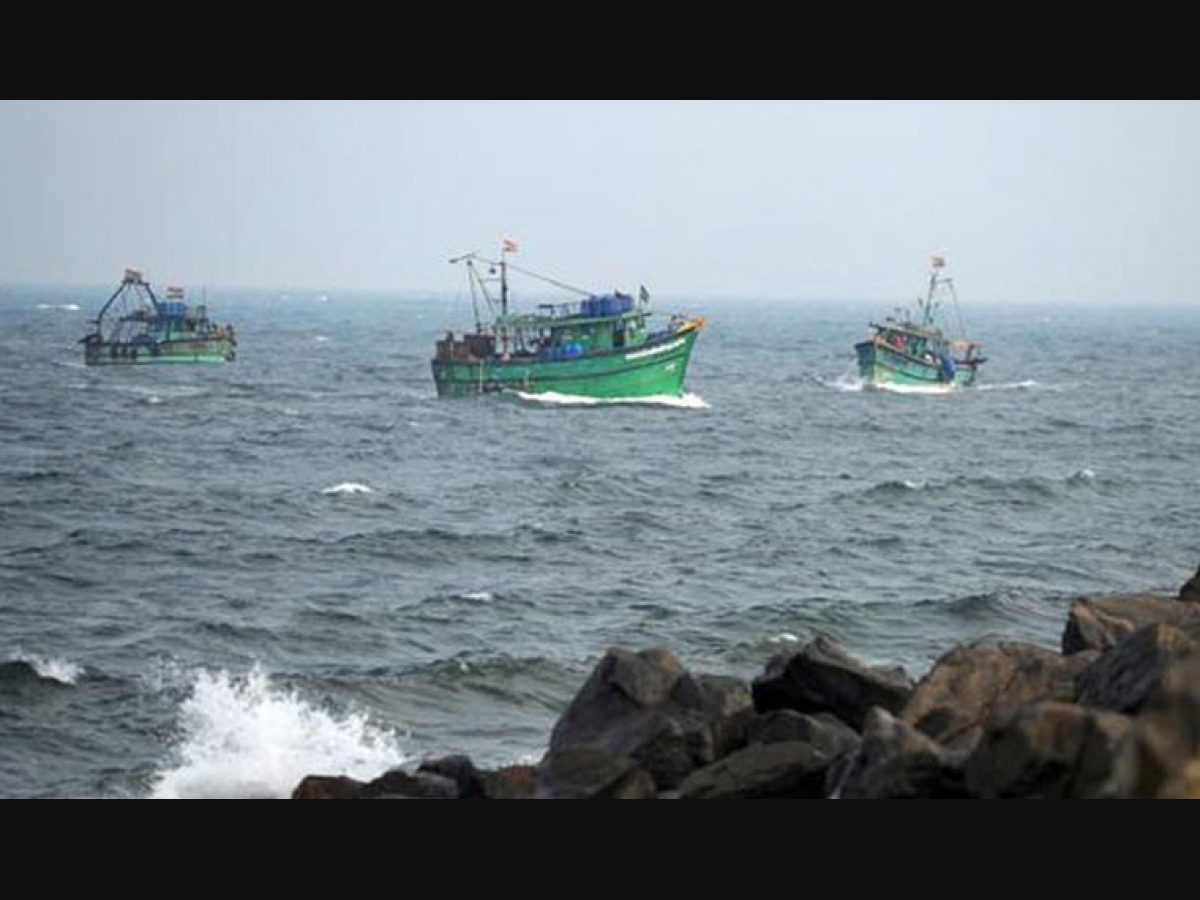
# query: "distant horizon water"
81, 293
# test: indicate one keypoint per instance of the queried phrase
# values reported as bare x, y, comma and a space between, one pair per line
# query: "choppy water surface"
216, 580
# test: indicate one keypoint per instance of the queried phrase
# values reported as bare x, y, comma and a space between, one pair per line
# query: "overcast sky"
1071, 202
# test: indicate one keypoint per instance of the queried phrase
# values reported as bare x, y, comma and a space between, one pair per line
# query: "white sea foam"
61, 670
477, 596
847, 383
162, 393
1008, 386
241, 737
785, 637
1082, 475
935, 390
66, 307
551, 398
348, 487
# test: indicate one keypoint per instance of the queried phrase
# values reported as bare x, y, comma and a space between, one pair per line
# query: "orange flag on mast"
509, 245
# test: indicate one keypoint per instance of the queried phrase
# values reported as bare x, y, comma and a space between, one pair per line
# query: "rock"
327, 787
1100, 623
1047, 750
646, 706
1190, 593
789, 754
727, 710
510, 783
822, 677
825, 731
971, 684
1123, 679
897, 761
400, 785
461, 771
394, 784
582, 772
1160, 756
778, 770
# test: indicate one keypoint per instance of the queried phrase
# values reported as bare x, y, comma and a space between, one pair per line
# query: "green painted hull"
880, 365
649, 370
207, 351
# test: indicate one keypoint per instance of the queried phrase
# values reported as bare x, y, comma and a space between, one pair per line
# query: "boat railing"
559, 310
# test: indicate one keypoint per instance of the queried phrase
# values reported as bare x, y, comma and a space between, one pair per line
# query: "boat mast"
503, 281
504, 332
936, 261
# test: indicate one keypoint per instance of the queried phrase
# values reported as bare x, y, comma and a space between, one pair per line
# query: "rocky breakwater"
1115, 712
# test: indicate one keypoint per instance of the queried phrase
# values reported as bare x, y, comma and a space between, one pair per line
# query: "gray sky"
1071, 202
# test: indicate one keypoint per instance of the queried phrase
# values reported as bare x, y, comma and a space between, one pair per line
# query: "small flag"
509, 245
937, 260
643, 294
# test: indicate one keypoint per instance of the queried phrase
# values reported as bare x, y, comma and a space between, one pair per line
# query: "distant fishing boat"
600, 345
912, 351
135, 327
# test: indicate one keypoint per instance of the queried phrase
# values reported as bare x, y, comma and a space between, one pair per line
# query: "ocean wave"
851, 384
683, 401
487, 669
64, 307
1035, 484
1009, 386
897, 485
241, 736
348, 488
46, 668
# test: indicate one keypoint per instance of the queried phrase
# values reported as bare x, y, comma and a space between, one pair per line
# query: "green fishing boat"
599, 346
135, 327
911, 351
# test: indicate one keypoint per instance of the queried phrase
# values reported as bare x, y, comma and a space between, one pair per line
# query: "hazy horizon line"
884, 304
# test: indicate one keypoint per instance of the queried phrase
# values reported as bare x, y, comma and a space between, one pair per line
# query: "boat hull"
879, 364
654, 369
206, 351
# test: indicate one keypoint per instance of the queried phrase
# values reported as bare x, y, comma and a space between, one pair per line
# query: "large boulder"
823, 730
1190, 592
401, 785
897, 761
972, 684
518, 782
395, 784
1047, 750
582, 772
647, 707
327, 787
1124, 677
461, 771
789, 754
823, 678
777, 770
1100, 623
1160, 756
